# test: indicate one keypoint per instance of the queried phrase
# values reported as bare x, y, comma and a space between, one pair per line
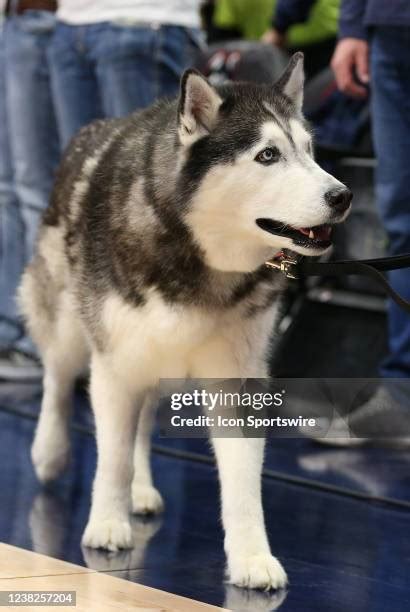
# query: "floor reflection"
143, 530
245, 600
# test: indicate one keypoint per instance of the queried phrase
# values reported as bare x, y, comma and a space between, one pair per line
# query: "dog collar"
285, 263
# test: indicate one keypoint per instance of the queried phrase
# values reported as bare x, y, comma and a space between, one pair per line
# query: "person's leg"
178, 50
74, 84
137, 65
11, 226
126, 70
33, 141
385, 417
33, 133
390, 65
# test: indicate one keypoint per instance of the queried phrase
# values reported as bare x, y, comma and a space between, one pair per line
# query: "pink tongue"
304, 230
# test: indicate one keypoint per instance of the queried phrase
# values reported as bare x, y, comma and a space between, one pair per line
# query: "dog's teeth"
311, 234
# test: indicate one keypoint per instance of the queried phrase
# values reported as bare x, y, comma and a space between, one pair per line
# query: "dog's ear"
198, 107
292, 80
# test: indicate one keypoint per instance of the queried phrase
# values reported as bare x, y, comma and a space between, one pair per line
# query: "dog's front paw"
111, 534
146, 500
261, 571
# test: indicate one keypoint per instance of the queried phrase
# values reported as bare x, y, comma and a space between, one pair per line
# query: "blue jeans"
11, 225
110, 70
390, 68
31, 133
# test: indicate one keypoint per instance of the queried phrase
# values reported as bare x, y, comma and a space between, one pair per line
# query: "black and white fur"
149, 265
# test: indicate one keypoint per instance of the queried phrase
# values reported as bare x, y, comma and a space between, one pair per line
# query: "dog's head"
249, 174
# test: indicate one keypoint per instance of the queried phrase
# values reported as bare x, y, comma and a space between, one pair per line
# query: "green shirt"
253, 17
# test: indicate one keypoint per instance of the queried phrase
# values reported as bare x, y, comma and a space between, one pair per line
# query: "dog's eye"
268, 156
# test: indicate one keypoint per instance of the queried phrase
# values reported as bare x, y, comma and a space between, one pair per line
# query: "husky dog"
150, 264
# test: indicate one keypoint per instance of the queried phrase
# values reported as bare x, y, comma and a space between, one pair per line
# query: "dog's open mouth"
318, 237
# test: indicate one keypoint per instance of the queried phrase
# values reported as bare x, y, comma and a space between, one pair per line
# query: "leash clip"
285, 264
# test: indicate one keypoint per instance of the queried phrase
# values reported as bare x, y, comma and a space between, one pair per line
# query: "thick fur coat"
150, 264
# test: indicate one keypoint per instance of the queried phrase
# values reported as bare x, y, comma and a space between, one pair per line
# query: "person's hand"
275, 38
351, 59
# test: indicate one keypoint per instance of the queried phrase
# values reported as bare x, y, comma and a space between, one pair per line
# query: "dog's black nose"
339, 199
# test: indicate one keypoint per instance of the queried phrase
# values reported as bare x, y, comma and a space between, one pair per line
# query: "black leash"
292, 267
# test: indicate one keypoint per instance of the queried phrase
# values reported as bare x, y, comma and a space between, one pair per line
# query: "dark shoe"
381, 421
18, 366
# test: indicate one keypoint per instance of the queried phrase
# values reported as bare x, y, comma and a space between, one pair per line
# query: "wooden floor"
23, 570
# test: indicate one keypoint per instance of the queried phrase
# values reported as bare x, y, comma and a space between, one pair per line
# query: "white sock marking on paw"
258, 572
112, 534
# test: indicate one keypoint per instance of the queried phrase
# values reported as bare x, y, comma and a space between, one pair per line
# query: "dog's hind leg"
113, 399
64, 359
146, 499
47, 305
